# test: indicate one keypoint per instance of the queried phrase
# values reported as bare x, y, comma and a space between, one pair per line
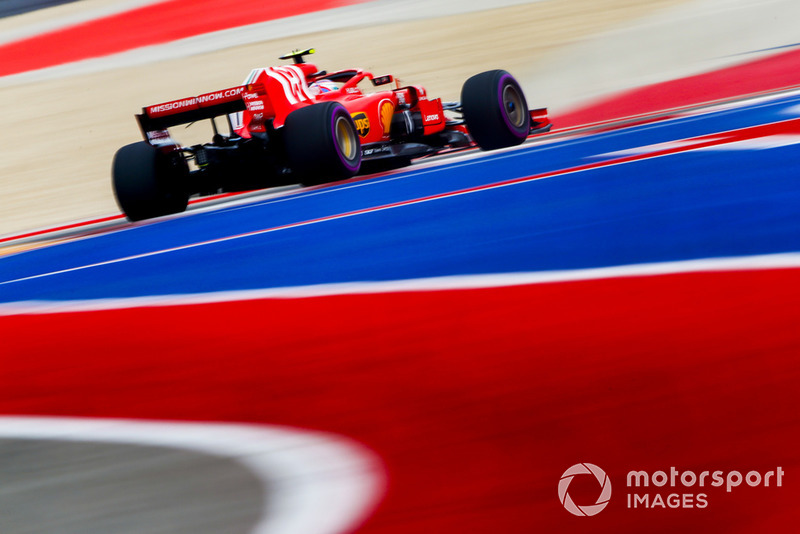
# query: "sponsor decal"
376, 150
195, 102
386, 112
225, 95
432, 118
160, 137
258, 105
174, 106
362, 123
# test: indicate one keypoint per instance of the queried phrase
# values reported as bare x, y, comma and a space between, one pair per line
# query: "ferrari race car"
295, 123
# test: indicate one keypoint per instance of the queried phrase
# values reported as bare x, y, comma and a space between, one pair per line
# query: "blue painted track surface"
688, 205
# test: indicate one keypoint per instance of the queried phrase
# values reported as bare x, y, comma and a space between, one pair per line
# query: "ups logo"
362, 123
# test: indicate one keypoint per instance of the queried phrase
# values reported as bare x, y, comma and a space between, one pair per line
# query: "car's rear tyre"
322, 143
495, 110
149, 182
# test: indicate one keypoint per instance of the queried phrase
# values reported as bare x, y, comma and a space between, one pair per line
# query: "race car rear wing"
154, 120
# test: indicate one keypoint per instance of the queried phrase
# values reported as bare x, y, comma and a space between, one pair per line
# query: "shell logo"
386, 112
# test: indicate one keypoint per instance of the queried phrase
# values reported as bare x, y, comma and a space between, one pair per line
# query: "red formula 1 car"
297, 124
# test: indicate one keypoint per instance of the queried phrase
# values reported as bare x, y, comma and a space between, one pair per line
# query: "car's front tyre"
495, 110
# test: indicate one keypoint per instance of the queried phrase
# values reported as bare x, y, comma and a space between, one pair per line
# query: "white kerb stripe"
442, 283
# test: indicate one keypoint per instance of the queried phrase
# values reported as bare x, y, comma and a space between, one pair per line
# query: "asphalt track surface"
75, 487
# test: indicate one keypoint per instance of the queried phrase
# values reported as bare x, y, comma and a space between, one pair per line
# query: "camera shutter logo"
584, 469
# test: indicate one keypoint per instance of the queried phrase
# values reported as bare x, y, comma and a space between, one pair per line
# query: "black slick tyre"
149, 182
322, 143
495, 110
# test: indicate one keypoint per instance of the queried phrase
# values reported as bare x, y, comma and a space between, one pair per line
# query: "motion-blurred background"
64, 123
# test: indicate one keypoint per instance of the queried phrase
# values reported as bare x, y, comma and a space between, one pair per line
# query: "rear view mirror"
382, 80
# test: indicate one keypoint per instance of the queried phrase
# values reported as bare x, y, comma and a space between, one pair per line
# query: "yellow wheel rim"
345, 138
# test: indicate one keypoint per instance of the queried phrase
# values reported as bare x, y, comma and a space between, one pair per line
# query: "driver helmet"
323, 86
